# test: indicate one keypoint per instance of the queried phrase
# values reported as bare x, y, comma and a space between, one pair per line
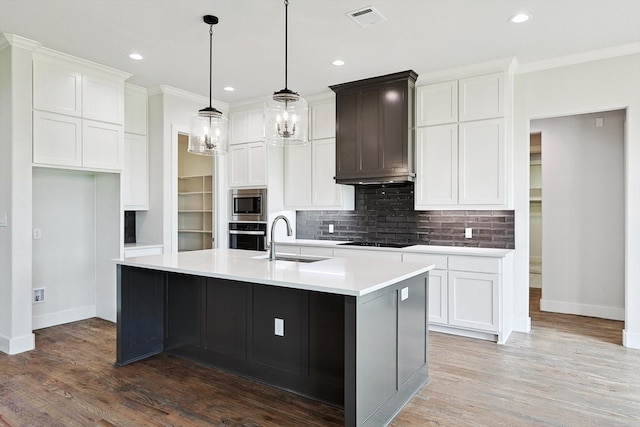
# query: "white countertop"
344, 276
427, 249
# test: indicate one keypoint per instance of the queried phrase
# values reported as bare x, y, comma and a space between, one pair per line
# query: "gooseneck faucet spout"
272, 245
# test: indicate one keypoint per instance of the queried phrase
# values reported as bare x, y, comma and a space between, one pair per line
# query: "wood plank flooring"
570, 371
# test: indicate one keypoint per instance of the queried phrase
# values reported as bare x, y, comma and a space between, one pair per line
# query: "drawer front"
440, 261
360, 253
474, 263
316, 251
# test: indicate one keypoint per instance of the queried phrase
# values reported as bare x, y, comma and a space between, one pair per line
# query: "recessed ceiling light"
520, 18
135, 56
338, 62
229, 89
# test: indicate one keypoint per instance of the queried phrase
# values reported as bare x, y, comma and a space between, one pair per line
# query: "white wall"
583, 214
64, 259
15, 194
597, 85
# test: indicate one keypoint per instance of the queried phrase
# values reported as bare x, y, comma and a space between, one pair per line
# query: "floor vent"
366, 16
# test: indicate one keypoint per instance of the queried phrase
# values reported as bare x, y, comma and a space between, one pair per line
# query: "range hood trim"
369, 180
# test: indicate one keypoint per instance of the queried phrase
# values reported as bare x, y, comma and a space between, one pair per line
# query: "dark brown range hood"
375, 129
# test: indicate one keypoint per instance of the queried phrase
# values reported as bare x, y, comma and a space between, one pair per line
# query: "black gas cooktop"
378, 244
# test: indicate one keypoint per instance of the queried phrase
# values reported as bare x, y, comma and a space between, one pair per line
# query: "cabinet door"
482, 162
135, 110
57, 139
412, 327
57, 89
297, 176
239, 125
438, 297
347, 151
481, 97
437, 166
323, 119
437, 104
102, 145
257, 164
325, 190
474, 300
102, 100
135, 179
255, 125
238, 165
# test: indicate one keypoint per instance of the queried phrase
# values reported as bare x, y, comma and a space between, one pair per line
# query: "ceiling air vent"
366, 16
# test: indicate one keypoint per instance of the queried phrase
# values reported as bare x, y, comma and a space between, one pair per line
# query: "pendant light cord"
286, 24
210, 62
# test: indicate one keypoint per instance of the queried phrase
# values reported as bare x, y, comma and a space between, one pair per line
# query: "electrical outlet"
468, 233
37, 234
3, 220
38, 295
404, 294
330, 228
279, 327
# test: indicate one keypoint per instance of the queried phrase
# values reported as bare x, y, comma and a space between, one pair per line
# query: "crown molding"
579, 58
504, 64
45, 53
180, 93
18, 41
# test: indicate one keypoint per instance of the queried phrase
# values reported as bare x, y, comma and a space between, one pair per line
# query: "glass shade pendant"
208, 127
286, 114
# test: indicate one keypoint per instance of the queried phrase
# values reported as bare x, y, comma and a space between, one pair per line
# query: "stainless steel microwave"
249, 204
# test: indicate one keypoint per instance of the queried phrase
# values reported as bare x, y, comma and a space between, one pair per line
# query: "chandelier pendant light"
208, 133
286, 114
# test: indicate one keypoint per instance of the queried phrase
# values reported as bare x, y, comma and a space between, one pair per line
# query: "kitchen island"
339, 330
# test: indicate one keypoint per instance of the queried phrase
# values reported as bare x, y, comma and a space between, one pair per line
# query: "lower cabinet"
438, 297
474, 300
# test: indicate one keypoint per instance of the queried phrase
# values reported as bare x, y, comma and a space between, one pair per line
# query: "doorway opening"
577, 225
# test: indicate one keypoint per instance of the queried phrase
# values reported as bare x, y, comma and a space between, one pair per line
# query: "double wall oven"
248, 225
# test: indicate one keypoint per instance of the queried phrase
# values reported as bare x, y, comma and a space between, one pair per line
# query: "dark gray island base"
365, 353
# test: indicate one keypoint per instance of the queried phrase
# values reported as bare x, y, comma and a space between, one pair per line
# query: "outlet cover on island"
279, 327
468, 233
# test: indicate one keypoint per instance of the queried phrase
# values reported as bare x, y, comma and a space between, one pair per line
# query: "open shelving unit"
195, 207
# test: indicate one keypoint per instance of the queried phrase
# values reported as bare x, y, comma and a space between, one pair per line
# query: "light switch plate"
279, 327
404, 294
468, 233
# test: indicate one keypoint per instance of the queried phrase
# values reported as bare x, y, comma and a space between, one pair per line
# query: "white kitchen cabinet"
461, 155
298, 176
102, 145
246, 126
247, 165
481, 97
309, 177
135, 110
78, 115
57, 88
474, 300
57, 139
323, 119
135, 176
102, 99
437, 104
482, 162
437, 166
438, 297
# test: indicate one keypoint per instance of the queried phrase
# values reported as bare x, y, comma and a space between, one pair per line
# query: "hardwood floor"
570, 371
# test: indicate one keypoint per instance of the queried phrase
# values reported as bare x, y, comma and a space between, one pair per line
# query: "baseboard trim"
18, 344
630, 339
601, 311
62, 317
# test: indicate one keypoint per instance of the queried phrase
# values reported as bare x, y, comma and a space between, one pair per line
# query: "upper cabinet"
247, 151
461, 144
78, 114
135, 174
309, 169
374, 129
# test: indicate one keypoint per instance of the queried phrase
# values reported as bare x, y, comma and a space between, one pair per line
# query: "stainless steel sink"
293, 258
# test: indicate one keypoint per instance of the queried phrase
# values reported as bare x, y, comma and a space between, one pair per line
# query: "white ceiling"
423, 35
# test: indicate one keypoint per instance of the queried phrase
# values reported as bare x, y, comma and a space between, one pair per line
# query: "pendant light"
208, 127
286, 114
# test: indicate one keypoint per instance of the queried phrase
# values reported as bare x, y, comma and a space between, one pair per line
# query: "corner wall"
599, 85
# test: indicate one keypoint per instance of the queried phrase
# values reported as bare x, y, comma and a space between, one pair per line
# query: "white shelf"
195, 210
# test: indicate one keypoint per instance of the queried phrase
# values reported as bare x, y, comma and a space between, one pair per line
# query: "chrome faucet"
272, 244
